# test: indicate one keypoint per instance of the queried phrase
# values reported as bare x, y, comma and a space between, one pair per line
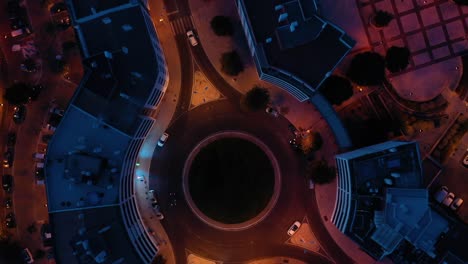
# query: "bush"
382, 18
231, 63
397, 58
367, 68
319, 171
222, 26
336, 89
256, 99
68, 46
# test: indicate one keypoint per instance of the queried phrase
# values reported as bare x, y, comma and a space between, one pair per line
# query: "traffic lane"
203, 121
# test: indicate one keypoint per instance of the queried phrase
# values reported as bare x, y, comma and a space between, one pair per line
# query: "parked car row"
443, 196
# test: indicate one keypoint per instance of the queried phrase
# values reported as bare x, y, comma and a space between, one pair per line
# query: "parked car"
456, 204
8, 159
270, 110
192, 39
448, 199
27, 256
11, 140
465, 160
8, 203
10, 220
7, 182
20, 114
294, 227
58, 7
441, 194
163, 139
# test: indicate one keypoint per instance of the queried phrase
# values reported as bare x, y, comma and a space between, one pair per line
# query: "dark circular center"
231, 180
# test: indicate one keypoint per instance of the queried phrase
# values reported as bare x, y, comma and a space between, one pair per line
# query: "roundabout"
231, 180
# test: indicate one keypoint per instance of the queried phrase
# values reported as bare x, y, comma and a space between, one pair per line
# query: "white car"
441, 194
192, 38
293, 229
456, 204
271, 111
163, 139
448, 200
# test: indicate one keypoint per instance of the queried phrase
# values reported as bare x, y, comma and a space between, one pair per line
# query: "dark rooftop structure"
85, 8
291, 38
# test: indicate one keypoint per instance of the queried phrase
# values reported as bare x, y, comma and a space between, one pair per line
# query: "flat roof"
90, 145
298, 52
101, 228
84, 8
118, 82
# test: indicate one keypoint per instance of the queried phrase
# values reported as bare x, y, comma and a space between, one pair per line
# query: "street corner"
203, 91
305, 238
195, 259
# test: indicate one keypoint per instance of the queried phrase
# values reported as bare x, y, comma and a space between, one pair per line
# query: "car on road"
465, 160
163, 139
7, 182
448, 200
8, 158
19, 114
27, 256
58, 7
8, 203
10, 220
270, 110
456, 204
294, 227
11, 140
441, 194
192, 39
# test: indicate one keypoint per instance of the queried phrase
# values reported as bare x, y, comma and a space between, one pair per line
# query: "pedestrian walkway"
181, 25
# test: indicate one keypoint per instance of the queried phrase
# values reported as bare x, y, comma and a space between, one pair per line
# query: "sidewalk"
166, 110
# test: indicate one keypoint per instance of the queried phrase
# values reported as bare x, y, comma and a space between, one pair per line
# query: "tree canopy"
256, 99
367, 68
231, 63
222, 26
337, 89
319, 171
397, 58
311, 142
382, 18
18, 93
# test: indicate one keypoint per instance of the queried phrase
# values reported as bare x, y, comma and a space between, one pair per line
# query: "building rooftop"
118, 83
92, 236
84, 8
296, 40
83, 169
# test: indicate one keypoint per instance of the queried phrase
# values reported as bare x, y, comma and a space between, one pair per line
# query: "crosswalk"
181, 25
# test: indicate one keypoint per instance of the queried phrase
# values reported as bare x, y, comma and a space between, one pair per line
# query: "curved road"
186, 231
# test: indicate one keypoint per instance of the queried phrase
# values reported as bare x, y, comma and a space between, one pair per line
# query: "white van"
17, 33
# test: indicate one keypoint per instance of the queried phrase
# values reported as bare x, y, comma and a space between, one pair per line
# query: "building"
383, 205
292, 46
91, 158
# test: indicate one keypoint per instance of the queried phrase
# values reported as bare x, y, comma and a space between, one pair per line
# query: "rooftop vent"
292, 26
93, 10
127, 27
101, 257
94, 64
107, 54
106, 20
136, 75
282, 17
124, 95
278, 7
268, 40
125, 50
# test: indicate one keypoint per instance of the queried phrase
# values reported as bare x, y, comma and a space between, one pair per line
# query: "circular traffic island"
231, 180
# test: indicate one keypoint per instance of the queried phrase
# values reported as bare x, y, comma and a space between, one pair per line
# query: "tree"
256, 99
68, 46
10, 253
231, 63
461, 2
337, 89
367, 68
18, 93
397, 58
222, 26
319, 171
381, 18
50, 27
312, 141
